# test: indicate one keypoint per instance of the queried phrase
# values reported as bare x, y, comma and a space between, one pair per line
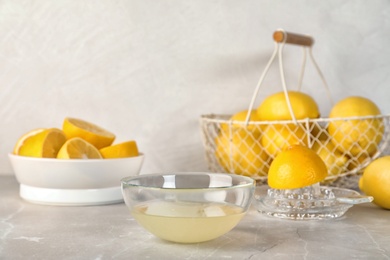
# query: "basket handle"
281, 37
292, 38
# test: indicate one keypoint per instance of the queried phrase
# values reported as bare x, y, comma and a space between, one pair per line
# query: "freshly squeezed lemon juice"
187, 222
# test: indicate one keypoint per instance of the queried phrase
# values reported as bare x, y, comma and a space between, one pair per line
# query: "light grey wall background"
147, 70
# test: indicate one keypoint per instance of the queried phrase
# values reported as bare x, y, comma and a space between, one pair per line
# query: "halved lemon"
91, 133
77, 148
121, 150
44, 143
296, 167
24, 137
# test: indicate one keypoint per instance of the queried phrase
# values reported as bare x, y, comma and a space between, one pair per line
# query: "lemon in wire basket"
356, 137
345, 145
276, 107
354, 134
277, 137
238, 147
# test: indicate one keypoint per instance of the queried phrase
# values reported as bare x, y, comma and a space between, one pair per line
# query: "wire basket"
248, 147
240, 148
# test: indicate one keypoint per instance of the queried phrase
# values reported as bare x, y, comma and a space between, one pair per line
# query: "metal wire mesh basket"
248, 147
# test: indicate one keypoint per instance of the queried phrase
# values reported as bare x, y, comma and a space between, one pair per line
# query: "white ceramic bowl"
73, 182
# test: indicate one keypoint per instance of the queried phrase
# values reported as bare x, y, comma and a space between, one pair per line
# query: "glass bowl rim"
246, 181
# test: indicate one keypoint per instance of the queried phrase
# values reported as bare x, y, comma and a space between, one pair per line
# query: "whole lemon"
375, 181
358, 162
318, 131
275, 107
241, 153
240, 117
355, 136
335, 160
277, 137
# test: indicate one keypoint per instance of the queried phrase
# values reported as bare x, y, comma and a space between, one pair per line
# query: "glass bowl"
188, 207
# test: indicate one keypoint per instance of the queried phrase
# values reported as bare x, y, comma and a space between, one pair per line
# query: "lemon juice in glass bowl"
188, 207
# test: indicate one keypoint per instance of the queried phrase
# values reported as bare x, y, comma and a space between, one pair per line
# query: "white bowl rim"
73, 160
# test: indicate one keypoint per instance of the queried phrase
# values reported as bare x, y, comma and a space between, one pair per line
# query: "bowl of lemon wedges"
74, 166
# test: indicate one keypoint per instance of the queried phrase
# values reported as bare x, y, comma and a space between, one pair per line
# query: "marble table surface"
30, 231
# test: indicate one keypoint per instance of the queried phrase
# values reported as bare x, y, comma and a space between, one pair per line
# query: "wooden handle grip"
292, 38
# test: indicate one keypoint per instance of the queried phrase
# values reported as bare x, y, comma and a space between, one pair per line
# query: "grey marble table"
29, 231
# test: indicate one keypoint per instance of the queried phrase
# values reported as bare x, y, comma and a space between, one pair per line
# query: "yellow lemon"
43, 143
77, 148
24, 137
296, 167
375, 181
240, 117
241, 153
358, 162
91, 133
121, 150
275, 107
318, 132
355, 136
277, 137
335, 160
